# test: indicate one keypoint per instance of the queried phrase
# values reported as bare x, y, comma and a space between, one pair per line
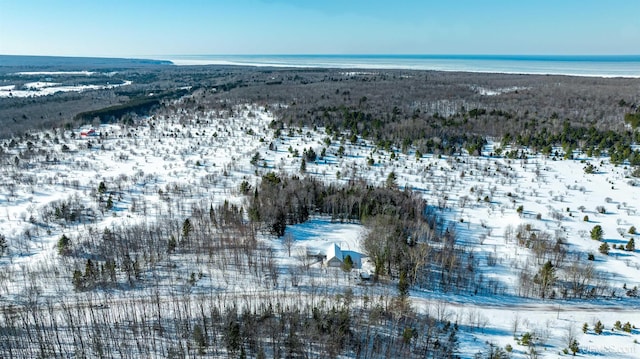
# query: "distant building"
91, 132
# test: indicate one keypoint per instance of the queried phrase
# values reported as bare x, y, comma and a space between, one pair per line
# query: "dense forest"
437, 112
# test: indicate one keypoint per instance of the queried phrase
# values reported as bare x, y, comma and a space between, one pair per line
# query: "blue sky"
198, 27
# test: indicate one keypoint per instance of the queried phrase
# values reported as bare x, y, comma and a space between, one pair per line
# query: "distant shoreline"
75, 63
607, 66
601, 66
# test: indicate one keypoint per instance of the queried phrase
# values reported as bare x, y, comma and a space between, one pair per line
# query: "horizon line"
492, 55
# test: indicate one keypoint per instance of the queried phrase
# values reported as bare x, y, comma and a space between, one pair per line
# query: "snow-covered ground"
44, 88
485, 198
55, 73
494, 92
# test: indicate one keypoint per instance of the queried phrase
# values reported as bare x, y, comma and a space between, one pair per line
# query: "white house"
334, 256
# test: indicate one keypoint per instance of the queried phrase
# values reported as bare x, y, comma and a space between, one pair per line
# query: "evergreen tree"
137, 272
3, 245
78, 282
408, 334
232, 337
199, 338
107, 235
598, 328
303, 166
526, 339
370, 161
279, 224
403, 285
347, 263
310, 155
574, 347
64, 245
604, 248
589, 169
391, 180
109, 205
255, 159
89, 271
172, 244
597, 233
127, 267
186, 228
110, 270
631, 245
545, 278
245, 187
617, 325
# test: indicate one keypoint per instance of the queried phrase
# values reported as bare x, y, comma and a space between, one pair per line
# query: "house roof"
334, 252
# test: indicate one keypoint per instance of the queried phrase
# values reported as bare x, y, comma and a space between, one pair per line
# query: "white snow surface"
498, 91
55, 73
212, 151
44, 88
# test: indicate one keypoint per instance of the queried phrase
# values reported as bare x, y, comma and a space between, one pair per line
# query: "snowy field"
36, 89
46, 86
499, 207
